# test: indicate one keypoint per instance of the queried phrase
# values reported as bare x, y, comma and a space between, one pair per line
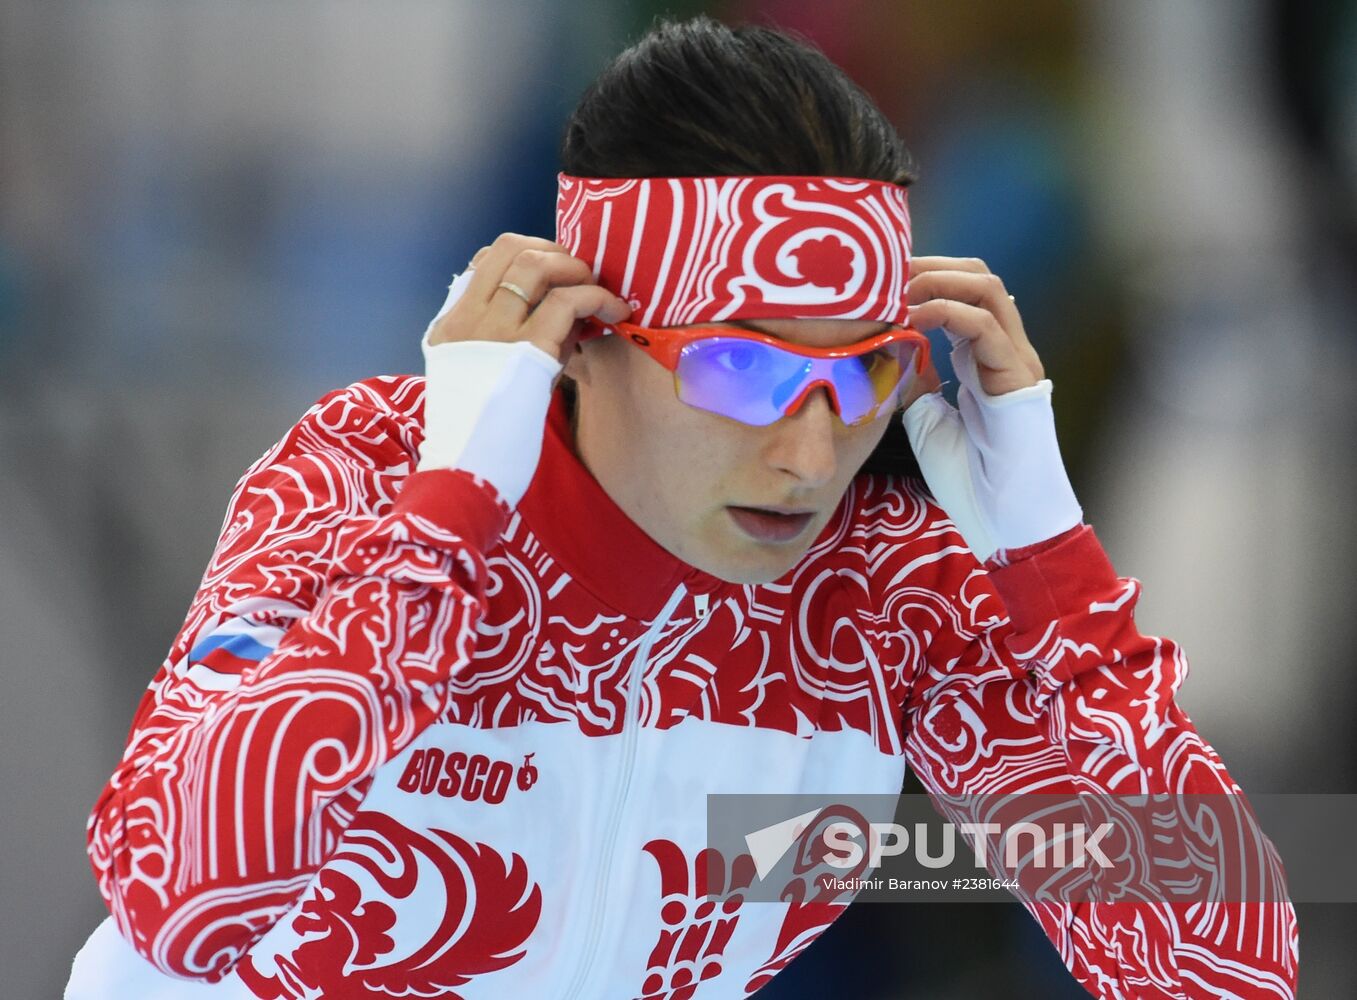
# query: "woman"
473, 649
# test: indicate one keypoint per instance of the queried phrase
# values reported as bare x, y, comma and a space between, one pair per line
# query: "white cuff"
995, 465
485, 406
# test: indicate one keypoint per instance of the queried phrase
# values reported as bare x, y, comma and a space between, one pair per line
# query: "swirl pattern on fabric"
703, 249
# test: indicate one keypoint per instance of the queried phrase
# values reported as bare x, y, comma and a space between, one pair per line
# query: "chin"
758, 568
716, 547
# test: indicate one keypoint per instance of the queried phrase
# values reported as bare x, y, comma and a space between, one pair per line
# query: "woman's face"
693, 480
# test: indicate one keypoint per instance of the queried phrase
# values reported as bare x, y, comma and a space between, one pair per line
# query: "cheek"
703, 462
692, 452
674, 455
857, 446
627, 391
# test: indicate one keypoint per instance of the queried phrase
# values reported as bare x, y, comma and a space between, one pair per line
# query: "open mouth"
766, 525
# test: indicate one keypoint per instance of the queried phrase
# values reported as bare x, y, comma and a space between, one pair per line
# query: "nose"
804, 444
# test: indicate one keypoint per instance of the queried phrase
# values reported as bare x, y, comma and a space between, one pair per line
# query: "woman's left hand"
992, 462
969, 301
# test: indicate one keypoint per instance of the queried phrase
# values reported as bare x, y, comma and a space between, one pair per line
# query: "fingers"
963, 296
1001, 366
554, 320
539, 268
936, 262
492, 262
537, 271
976, 288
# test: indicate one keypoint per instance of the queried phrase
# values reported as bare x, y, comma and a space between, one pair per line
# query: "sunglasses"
757, 379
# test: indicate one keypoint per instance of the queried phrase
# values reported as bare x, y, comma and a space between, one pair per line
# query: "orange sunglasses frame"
666, 346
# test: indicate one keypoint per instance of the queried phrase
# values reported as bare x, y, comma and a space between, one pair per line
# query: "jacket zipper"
615, 812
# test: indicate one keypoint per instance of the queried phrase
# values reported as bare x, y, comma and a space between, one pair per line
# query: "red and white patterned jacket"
410, 742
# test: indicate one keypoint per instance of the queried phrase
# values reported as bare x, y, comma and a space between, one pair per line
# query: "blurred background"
213, 212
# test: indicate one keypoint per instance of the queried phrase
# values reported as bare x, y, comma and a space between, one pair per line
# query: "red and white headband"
703, 249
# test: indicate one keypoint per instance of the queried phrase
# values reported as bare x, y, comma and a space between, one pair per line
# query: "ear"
577, 364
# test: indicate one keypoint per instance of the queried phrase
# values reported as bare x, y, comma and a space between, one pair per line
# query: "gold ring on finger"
509, 286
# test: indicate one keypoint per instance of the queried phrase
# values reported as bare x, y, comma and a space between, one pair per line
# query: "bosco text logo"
473, 777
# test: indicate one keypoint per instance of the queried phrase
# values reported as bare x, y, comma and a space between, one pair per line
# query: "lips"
765, 525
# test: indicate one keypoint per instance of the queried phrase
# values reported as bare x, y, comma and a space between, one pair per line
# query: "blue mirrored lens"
756, 383
739, 378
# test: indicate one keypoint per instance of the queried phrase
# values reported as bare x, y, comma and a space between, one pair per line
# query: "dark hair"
698, 98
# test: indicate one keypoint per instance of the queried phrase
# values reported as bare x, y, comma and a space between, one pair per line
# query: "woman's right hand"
560, 291
491, 358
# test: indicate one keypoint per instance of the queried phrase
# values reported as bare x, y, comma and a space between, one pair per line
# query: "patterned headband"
702, 249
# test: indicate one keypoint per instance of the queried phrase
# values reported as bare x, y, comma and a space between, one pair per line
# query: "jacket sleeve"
342, 594
1035, 679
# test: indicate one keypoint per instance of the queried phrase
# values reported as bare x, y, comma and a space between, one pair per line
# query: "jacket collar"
594, 541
